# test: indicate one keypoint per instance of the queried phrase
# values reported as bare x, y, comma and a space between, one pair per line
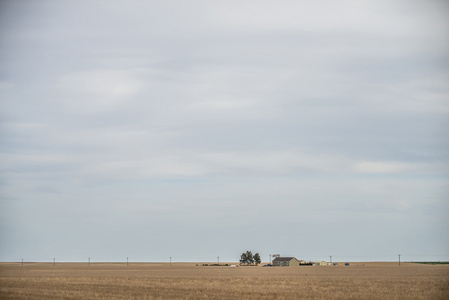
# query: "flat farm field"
189, 281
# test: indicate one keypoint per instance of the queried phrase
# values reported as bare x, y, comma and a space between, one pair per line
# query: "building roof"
283, 259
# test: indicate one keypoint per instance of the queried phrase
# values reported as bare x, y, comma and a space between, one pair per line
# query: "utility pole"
170, 261
89, 261
54, 262
330, 258
270, 258
218, 257
399, 259
22, 262
127, 261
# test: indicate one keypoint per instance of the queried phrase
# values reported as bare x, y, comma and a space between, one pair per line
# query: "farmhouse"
286, 262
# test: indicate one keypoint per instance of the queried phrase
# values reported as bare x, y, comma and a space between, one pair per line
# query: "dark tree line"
247, 258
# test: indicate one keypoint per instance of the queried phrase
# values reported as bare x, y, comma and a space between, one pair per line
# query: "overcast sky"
197, 129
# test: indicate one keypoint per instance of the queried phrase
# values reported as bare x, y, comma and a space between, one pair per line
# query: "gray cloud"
181, 123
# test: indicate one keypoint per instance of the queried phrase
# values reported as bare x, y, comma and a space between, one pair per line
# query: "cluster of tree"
247, 258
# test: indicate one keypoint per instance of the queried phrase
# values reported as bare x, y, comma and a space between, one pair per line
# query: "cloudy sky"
197, 129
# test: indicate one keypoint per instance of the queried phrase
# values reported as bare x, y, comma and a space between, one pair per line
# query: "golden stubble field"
188, 281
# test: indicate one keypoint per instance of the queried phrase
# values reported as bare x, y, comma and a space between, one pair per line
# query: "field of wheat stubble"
191, 281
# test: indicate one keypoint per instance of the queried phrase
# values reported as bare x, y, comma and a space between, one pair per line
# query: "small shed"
286, 261
320, 263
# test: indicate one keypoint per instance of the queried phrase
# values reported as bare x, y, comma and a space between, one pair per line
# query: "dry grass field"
188, 281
